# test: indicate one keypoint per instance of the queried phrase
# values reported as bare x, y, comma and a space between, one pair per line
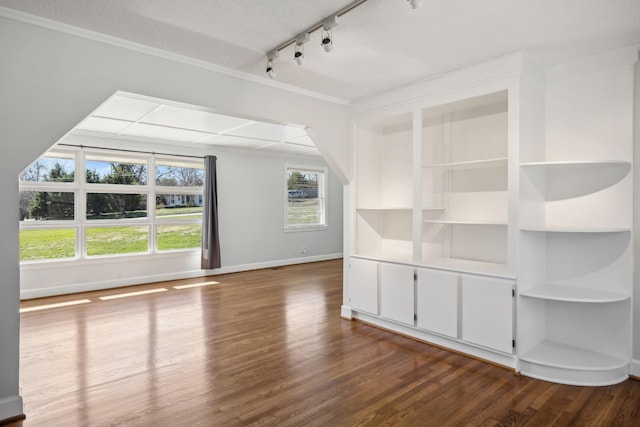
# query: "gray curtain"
210, 238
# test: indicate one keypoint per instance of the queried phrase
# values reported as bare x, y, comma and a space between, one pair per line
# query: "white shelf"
574, 165
433, 208
548, 291
471, 164
402, 258
551, 353
385, 208
468, 266
573, 229
465, 222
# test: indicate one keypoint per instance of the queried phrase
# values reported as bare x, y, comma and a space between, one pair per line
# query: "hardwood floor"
268, 347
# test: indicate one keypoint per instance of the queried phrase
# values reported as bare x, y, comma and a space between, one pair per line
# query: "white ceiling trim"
137, 47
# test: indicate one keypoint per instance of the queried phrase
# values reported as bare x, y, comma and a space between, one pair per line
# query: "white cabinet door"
397, 292
363, 285
487, 312
437, 301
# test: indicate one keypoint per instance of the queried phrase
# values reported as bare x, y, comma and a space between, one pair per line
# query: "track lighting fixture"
327, 38
271, 72
327, 41
415, 3
298, 54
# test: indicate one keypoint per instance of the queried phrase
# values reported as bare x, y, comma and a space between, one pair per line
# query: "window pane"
305, 198
184, 236
302, 184
179, 176
102, 170
304, 212
47, 244
116, 206
46, 206
52, 168
178, 206
117, 240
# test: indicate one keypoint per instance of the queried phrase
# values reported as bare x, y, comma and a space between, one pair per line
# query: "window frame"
81, 188
322, 196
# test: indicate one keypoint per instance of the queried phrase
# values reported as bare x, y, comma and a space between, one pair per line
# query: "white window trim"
81, 188
307, 227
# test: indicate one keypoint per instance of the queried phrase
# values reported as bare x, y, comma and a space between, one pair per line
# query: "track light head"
327, 41
270, 71
415, 3
298, 54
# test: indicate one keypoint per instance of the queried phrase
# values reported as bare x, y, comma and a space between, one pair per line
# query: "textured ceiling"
380, 45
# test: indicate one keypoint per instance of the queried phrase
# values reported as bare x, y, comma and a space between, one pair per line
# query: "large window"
305, 198
85, 203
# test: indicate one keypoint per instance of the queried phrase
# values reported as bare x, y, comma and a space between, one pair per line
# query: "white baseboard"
345, 312
11, 407
635, 368
139, 280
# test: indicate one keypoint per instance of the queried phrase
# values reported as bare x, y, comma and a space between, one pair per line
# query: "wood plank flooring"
268, 348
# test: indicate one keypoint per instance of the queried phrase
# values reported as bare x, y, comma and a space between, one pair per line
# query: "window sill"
306, 228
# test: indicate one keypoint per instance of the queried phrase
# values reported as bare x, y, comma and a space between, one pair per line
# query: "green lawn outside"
47, 244
117, 240
303, 212
185, 236
60, 243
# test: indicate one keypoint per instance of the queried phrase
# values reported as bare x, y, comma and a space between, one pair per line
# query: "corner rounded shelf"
470, 164
566, 293
573, 229
569, 179
465, 222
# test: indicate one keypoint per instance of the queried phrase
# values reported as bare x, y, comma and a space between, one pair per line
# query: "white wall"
251, 221
50, 80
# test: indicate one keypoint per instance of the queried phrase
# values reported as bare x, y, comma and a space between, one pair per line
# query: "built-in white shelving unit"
575, 264
495, 217
432, 218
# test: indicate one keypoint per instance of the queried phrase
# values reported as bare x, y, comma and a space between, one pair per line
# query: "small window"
54, 167
116, 206
117, 240
47, 244
179, 236
47, 206
305, 198
116, 170
175, 174
178, 207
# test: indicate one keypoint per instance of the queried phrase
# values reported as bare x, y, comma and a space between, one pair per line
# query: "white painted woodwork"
575, 247
437, 301
487, 312
397, 292
363, 285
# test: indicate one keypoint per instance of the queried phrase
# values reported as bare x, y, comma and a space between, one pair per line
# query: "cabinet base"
457, 346
580, 377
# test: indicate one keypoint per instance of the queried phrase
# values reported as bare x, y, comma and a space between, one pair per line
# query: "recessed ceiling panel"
186, 118
302, 140
142, 130
99, 124
120, 107
230, 141
269, 131
283, 147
